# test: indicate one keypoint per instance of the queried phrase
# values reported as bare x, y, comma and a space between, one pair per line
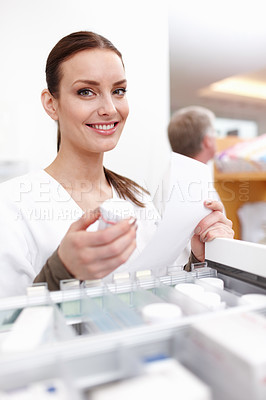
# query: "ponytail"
125, 187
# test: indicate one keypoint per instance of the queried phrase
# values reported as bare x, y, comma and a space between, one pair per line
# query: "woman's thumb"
86, 220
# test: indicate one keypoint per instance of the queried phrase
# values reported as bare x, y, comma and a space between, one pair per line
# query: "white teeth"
103, 127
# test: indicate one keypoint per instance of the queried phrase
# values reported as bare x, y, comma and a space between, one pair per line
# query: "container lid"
160, 312
214, 281
190, 289
253, 298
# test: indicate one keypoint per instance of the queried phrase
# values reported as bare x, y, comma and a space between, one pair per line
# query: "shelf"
239, 176
237, 188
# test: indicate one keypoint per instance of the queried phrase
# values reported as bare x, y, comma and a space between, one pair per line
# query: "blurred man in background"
191, 132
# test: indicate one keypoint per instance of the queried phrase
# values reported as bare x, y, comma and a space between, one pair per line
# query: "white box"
33, 327
229, 352
164, 379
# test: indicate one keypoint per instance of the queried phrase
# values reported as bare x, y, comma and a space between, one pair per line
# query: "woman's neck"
76, 168
83, 179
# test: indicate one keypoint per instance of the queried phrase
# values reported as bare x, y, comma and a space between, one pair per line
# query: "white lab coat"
35, 214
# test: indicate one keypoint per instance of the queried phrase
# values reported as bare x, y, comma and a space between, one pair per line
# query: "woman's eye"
120, 91
85, 92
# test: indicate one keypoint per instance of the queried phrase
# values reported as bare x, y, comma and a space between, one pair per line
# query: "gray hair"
187, 128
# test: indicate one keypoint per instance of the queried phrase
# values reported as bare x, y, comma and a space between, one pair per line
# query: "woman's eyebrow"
120, 82
87, 82
94, 83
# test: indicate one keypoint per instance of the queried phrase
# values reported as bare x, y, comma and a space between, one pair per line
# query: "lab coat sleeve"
53, 272
16, 266
192, 260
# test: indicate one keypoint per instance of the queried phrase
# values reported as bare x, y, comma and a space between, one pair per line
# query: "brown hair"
64, 49
187, 128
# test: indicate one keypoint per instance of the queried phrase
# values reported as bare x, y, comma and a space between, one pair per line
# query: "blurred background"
176, 54
217, 60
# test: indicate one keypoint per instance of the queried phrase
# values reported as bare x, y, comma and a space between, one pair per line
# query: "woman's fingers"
211, 219
217, 230
112, 249
85, 221
212, 226
110, 234
214, 205
101, 268
90, 255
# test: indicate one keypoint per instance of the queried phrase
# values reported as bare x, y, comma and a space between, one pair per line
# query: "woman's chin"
110, 145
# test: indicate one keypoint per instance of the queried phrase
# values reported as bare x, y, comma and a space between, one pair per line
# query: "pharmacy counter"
196, 335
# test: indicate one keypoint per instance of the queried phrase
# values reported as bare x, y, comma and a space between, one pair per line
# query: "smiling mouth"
103, 127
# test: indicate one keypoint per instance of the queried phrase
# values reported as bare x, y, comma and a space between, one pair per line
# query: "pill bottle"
161, 312
217, 282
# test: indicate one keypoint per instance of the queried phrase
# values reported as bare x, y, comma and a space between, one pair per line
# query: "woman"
86, 95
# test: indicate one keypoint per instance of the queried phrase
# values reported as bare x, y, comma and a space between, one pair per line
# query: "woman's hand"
93, 255
214, 225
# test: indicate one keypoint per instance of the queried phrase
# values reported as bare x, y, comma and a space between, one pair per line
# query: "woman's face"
92, 107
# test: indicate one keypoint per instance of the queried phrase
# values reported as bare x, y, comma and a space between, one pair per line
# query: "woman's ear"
49, 104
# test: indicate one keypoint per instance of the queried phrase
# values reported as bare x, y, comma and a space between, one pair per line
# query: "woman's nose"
106, 106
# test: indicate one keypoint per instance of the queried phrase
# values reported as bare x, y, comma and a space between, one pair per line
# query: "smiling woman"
49, 218
91, 111
86, 95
